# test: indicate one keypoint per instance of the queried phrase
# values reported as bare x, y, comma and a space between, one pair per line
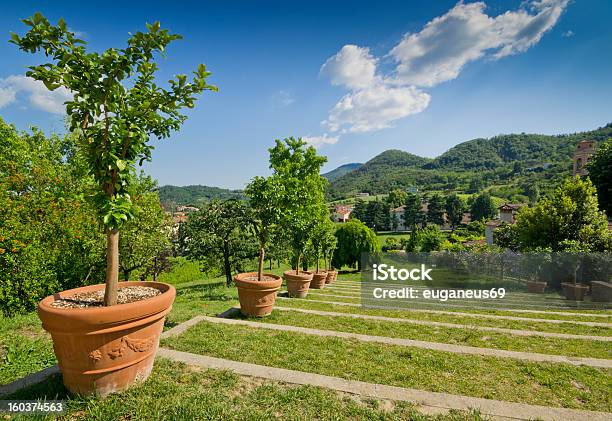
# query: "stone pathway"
517, 332
432, 401
436, 346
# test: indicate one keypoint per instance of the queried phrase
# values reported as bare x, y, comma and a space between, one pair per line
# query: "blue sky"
355, 77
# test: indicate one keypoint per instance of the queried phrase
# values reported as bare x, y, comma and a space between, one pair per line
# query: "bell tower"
584, 151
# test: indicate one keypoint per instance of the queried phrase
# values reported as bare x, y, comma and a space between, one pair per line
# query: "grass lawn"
569, 347
384, 235
24, 347
485, 377
177, 392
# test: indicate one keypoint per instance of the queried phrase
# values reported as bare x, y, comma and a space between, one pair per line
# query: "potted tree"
298, 168
571, 258
298, 282
318, 244
257, 290
328, 247
534, 264
105, 337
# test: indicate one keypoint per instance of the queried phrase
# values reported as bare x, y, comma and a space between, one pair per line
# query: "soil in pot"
297, 283
574, 292
318, 280
256, 297
331, 276
101, 350
536, 287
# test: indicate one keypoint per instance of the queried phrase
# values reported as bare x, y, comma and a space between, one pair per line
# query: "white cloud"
284, 98
317, 141
568, 34
38, 94
352, 67
465, 33
7, 96
375, 108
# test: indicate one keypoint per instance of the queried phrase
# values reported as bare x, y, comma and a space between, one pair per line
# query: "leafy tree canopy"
600, 173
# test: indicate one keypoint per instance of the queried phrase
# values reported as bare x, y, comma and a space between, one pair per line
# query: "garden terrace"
374, 362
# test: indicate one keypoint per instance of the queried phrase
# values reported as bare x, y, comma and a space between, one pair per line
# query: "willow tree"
117, 107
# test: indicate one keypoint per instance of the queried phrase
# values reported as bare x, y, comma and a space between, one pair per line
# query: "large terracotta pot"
297, 284
318, 280
536, 287
331, 276
574, 292
257, 298
103, 350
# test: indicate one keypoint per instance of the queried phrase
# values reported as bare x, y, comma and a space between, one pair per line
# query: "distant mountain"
519, 158
341, 170
192, 195
529, 149
386, 171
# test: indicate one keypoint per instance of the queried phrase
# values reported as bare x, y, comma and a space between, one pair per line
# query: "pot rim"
302, 276
255, 283
54, 317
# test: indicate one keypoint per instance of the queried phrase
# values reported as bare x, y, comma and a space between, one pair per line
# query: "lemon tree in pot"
257, 290
571, 260
328, 246
298, 168
116, 108
318, 244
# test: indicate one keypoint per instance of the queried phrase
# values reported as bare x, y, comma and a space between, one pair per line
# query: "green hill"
384, 172
192, 195
340, 171
503, 162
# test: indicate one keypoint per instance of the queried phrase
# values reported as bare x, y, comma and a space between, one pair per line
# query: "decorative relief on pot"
265, 299
140, 345
136, 345
95, 356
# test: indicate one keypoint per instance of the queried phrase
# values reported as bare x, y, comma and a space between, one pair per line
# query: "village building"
584, 151
507, 215
186, 209
342, 213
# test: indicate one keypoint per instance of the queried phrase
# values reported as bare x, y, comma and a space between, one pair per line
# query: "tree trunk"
297, 264
317, 265
126, 274
112, 267
270, 264
262, 255
228, 267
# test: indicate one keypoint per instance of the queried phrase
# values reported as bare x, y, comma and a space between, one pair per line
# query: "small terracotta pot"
103, 350
257, 298
331, 276
318, 280
574, 292
536, 287
297, 284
